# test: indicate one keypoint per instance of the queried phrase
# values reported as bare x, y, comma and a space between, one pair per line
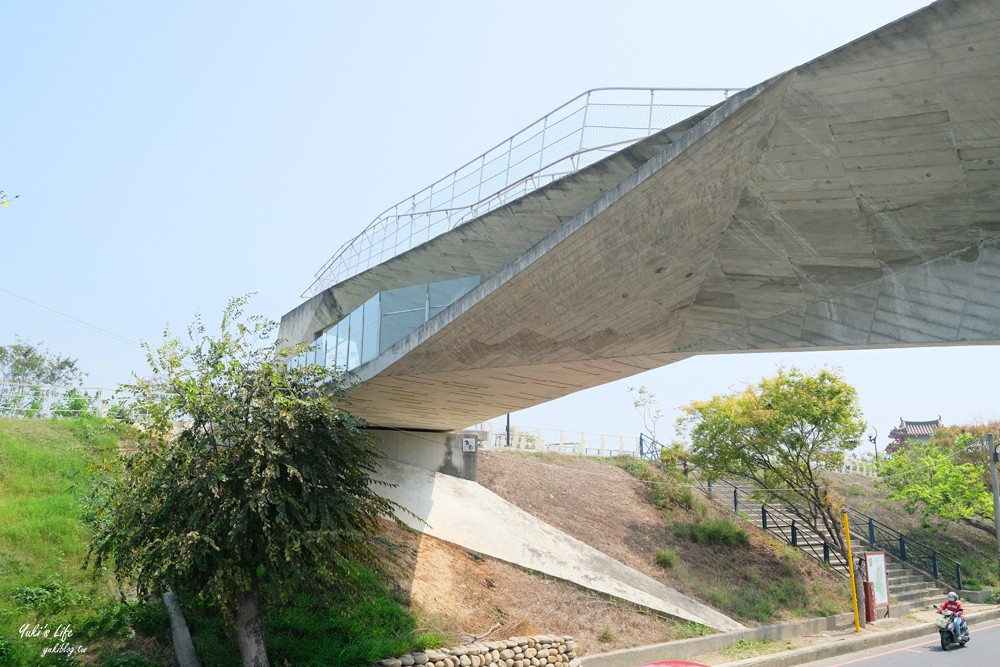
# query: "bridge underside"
852, 202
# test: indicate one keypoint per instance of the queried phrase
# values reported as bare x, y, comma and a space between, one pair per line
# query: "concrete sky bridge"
851, 202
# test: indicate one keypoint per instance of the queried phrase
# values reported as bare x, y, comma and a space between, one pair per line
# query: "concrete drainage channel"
844, 641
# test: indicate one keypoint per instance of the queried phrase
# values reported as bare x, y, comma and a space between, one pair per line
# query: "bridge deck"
852, 202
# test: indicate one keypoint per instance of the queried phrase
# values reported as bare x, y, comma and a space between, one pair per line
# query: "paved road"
983, 649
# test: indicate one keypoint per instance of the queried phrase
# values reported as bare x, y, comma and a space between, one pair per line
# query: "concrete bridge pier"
433, 476
451, 454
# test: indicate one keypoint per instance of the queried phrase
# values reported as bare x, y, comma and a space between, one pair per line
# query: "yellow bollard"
850, 566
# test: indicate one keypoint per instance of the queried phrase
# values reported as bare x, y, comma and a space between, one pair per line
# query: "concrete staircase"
909, 589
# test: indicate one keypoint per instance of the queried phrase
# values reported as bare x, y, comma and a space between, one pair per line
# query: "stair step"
916, 595
907, 588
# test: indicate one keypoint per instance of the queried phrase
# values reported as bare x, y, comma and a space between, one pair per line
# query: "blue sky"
169, 156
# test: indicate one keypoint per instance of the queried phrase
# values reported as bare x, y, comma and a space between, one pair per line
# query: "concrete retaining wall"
514, 652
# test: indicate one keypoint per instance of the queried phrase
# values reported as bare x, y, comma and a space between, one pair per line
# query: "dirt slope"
603, 506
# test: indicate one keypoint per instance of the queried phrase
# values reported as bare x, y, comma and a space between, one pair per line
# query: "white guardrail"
582, 131
42, 401
561, 441
556, 440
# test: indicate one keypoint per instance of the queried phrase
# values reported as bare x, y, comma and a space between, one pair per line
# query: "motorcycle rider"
953, 605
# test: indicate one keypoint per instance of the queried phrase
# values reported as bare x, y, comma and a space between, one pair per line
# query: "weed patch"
719, 532
665, 488
665, 558
745, 648
48, 598
692, 629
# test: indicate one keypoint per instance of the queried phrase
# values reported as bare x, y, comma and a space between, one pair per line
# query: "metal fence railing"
582, 131
919, 556
778, 521
864, 529
857, 467
27, 401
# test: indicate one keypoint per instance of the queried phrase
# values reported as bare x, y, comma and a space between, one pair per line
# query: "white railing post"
541, 151
649, 125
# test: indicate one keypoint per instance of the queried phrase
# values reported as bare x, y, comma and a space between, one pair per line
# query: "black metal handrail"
918, 556
783, 525
875, 534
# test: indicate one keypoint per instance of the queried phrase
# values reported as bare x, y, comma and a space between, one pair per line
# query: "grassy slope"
716, 558
44, 474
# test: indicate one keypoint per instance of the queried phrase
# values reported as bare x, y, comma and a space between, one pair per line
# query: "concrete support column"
448, 453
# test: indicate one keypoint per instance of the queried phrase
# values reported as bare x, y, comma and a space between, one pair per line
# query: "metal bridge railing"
573, 136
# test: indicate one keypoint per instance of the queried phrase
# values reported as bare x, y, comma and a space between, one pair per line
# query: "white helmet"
952, 596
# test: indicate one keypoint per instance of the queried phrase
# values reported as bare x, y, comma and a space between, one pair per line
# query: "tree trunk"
859, 591
985, 527
249, 627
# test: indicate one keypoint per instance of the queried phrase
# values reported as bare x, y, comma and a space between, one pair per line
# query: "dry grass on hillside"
603, 506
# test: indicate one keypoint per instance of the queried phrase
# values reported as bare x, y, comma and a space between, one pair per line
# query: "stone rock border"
513, 652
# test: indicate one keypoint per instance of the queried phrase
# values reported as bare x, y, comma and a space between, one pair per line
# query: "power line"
72, 319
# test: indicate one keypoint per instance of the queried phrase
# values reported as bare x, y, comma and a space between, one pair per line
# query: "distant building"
911, 430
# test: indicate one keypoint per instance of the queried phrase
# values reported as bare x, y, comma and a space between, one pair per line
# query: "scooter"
946, 628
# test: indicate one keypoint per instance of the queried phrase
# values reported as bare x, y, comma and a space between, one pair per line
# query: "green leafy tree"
941, 480
74, 403
248, 475
781, 434
24, 369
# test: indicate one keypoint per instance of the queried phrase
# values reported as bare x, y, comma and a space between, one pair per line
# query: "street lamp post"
872, 439
992, 449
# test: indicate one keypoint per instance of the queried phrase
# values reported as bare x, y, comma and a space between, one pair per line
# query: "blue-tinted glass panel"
404, 299
383, 320
397, 325
354, 339
369, 350
446, 292
320, 346
340, 332
330, 345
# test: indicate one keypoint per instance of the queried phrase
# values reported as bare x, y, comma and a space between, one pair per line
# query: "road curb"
831, 646
840, 646
688, 648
